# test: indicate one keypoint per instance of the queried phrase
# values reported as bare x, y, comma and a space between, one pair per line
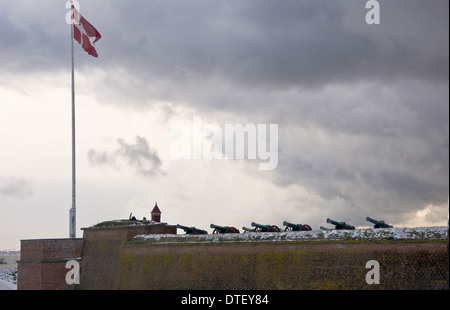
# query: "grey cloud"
140, 156
245, 55
34, 37
383, 175
249, 43
284, 44
380, 148
13, 187
362, 110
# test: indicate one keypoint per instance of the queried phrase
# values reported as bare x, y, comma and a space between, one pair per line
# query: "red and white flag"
82, 31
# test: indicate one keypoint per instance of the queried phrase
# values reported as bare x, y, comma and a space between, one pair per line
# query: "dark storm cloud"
289, 43
362, 109
243, 55
250, 43
139, 156
34, 37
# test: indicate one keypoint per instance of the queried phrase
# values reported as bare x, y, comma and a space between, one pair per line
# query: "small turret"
156, 214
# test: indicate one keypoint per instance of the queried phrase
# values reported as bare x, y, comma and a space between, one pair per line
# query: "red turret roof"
156, 209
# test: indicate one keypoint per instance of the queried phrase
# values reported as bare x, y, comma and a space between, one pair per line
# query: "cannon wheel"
306, 227
232, 230
273, 228
288, 228
216, 231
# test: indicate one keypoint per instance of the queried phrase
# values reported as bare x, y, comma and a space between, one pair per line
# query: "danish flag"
82, 31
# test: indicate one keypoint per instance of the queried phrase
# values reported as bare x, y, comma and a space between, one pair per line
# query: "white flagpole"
72, 223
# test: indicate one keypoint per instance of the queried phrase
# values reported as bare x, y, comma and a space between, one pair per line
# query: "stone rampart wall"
283, 265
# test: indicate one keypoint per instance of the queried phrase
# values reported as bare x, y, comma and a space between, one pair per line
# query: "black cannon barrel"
325, 228
218, 227
260, 225
378, 223
266, 228
340, 225
292, 226
183, 227
248, 229
332, 221
296, 227
224, 229
286, 223
192, 230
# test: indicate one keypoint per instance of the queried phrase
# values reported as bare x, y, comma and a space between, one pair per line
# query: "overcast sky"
362, 113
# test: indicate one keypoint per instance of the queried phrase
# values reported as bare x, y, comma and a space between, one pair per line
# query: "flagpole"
72, 221
84, 31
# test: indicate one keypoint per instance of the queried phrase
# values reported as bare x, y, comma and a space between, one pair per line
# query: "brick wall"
283, 265
42, 264
111, 259
102, 250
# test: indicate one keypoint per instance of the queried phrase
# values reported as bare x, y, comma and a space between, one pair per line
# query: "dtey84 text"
246, 299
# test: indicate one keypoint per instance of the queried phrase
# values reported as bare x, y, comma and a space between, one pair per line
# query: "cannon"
246, 229
296, 227
224, 229
265, 228
192, 230
378, 223
325, 228
340, 225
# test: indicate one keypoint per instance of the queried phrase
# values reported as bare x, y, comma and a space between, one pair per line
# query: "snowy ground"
8, 279
402, 233
8, 271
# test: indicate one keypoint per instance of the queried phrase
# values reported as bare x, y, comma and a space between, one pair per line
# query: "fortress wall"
283, 265
110, 258
101, 252
42, 263
47, 249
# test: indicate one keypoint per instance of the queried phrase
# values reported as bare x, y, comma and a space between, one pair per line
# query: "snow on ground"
8, 271
402, 233
8, 279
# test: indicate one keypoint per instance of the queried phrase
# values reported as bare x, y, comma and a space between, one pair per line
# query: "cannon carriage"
378, 223
192, 230
224, 229
296, 227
